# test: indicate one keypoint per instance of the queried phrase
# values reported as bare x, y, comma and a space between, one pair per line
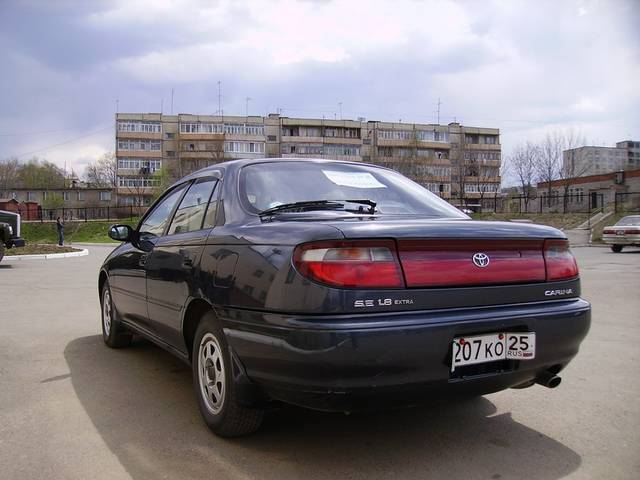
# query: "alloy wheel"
211, 373
106, 311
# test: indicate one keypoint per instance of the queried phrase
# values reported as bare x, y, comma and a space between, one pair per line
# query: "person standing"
60, 227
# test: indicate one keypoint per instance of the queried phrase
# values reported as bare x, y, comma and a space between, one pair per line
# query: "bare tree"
9, 173
523, 163
549, 161
570, 168
103, 172
462, 165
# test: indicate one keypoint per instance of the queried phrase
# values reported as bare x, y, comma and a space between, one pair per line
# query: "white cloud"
524, 67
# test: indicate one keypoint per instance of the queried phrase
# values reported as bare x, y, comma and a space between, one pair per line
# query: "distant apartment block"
447, 159
593, 160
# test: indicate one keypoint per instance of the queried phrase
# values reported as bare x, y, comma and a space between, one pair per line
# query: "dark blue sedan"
338, 286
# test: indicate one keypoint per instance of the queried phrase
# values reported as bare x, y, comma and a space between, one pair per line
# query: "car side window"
191, 211
212, 209
157, 220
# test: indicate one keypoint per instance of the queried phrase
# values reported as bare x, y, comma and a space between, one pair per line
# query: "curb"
47, 256
95, 244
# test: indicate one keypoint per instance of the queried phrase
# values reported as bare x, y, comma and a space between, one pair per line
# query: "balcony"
412, 143
139, 153
141, 135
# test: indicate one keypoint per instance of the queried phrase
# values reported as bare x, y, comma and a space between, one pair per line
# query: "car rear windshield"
629, 221
266, 185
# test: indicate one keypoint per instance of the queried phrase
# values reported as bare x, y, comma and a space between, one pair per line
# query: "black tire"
114, 334
616, 248
225, 417
1, 249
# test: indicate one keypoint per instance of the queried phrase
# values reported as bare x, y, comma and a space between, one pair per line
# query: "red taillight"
559, 261
371, 264
608, 231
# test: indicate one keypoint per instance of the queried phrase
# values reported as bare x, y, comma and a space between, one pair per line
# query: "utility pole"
340, 106
219, 98
161, 105
172, 101
439, 111
246, 106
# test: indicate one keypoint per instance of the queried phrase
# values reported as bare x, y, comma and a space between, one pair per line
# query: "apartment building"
593, 160
452, 160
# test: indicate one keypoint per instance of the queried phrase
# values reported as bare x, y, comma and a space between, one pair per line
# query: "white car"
623, 234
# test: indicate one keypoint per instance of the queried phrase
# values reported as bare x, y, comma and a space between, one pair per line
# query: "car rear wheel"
214, 386
114, 333
616, 248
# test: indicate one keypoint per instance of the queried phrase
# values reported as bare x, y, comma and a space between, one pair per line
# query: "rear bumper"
16, 242
621, 239
357, 362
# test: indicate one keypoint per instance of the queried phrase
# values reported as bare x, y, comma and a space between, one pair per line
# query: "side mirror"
121, 233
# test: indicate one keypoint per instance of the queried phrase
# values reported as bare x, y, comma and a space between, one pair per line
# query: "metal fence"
627, 202
586, 203
81, 214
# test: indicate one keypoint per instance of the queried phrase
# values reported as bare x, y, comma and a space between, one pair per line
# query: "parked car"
338, 286
625, 233
9, 231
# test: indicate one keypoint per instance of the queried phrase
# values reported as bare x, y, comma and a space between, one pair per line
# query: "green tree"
9, 173
38, 173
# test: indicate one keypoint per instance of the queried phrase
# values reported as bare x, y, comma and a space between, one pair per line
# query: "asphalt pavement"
70, 408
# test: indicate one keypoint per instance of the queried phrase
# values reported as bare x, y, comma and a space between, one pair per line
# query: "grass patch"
557, 220
35, 249
74, 232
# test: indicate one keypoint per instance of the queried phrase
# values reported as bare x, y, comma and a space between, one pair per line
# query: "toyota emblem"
480, 259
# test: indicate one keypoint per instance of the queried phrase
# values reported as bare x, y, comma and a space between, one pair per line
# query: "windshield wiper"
318, 205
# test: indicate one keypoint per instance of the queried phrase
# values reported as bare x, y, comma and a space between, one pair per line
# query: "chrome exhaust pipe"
548, 379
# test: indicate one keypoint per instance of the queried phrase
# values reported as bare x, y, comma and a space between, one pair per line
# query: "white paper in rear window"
353, 179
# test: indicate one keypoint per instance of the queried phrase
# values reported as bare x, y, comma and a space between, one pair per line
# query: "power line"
24, 134
71, 140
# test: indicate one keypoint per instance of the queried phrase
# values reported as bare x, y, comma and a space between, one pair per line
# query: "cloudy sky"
526, 67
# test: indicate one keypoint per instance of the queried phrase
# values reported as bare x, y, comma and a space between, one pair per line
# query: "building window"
139, 145
66, 196
137, 182
232, 128
81, 196
152, 165
272, 138
31, 196
105, 196
141, 127
169, 136
421, 135
342, 150
45, 195
244, 147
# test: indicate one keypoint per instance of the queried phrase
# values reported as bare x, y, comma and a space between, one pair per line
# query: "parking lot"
71, 408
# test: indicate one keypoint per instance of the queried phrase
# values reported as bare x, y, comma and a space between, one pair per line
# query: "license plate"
493, 347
